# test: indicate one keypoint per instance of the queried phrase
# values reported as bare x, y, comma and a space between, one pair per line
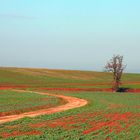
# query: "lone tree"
116, 66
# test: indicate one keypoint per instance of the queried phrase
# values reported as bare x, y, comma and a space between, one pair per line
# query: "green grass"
113, 116
122, 109
58, 78
12, 102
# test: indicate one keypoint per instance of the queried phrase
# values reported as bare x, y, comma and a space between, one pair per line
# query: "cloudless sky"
69, 34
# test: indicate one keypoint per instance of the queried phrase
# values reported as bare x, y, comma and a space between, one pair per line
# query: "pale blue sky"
69, 34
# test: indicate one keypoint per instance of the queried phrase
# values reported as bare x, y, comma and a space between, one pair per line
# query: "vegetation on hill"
63, 78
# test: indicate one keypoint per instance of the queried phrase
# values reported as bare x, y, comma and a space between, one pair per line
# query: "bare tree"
116, 66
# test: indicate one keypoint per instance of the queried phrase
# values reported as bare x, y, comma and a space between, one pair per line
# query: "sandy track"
73, 102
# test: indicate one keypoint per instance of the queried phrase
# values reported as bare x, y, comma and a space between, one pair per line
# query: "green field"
107, 116
63, 78
12, 102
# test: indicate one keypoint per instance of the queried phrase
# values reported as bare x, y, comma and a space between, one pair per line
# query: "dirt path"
73, 102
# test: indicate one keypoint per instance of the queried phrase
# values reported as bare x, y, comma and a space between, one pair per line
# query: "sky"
69, 34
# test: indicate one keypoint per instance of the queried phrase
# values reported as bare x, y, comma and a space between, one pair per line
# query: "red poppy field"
106, 116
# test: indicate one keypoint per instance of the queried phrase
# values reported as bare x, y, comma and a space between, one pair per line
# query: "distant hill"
35, 77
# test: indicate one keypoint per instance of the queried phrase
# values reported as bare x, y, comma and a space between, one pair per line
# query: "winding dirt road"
73, 102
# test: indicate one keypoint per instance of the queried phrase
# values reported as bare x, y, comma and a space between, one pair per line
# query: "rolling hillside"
62, 78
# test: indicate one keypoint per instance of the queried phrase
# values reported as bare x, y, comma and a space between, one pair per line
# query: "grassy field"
107, 116
63, 78
12, 102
